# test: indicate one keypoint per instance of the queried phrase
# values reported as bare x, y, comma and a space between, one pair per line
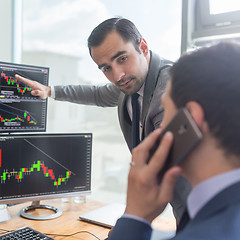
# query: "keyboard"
25, 233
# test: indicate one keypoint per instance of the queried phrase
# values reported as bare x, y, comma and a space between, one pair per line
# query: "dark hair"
211, 77
126, 29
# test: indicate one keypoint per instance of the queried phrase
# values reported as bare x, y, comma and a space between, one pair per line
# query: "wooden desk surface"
67, 223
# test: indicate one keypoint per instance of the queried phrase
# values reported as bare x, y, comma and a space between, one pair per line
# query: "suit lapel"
124, 119
150, 83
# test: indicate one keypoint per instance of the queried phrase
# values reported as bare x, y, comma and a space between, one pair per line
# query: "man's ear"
143, 46
196, 111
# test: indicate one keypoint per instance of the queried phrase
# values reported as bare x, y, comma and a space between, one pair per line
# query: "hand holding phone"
186, 137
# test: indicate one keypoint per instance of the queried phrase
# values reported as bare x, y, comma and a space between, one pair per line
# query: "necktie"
135, 120
183, 221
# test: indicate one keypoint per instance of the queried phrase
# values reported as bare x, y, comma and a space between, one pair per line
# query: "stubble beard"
134, 86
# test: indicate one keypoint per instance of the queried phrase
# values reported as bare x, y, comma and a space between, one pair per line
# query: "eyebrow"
117, 55
112, 58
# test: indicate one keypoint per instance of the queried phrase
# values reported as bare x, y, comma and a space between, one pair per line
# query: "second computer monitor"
19, 110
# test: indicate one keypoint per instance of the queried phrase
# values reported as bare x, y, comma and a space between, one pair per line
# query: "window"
208, 20
221, 16
55, 35
220, 7
218, 13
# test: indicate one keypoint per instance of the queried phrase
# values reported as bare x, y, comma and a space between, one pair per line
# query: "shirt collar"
205, 191
141, 90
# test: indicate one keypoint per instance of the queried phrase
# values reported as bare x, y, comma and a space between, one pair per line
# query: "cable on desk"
55, 234
4, 231
71, 235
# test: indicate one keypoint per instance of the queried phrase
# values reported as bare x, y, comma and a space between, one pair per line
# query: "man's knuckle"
143, 180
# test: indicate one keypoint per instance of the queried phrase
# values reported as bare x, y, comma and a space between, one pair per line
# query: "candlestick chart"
19, 109
20, 116
39, 167
50, 164
10, 86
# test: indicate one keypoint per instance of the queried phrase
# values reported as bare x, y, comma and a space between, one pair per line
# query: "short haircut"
125, 28
211, 77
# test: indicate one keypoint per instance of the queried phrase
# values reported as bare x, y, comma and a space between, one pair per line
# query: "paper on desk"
4, 215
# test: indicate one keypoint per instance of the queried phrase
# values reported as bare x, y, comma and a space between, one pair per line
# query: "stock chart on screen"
19, 110
39, 165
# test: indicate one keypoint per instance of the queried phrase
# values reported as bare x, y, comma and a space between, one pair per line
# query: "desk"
68, 222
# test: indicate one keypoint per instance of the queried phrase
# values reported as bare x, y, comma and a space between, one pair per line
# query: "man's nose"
118, 74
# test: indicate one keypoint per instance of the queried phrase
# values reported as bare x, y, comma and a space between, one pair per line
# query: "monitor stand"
36, 205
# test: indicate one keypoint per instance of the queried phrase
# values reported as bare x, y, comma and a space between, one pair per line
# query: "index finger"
24, 80
160, 156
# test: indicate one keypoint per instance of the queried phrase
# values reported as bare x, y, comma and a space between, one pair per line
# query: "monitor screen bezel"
48, 196
9, 64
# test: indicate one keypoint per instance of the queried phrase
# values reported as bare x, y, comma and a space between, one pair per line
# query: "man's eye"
123, 58
105, 69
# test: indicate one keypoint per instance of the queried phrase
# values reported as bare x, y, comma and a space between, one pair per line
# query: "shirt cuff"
126, 215
53, 92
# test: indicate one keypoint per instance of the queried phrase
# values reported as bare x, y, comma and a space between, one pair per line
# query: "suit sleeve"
103, 96
130, 229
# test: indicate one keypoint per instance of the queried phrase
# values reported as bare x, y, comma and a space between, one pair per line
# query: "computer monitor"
19, 110
41, 166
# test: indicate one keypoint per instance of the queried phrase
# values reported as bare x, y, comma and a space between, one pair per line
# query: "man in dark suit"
122, 54
206, 82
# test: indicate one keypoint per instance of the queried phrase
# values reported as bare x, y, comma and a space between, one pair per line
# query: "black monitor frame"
19, 110
43, 166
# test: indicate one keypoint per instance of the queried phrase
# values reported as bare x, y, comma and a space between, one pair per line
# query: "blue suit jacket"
219, 219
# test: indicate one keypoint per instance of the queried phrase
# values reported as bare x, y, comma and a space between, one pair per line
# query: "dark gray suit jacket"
152, 111
219, 219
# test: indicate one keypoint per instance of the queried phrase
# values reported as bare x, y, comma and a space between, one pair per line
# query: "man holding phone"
206, 83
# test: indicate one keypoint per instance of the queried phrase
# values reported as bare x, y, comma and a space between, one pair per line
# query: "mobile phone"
186, 137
